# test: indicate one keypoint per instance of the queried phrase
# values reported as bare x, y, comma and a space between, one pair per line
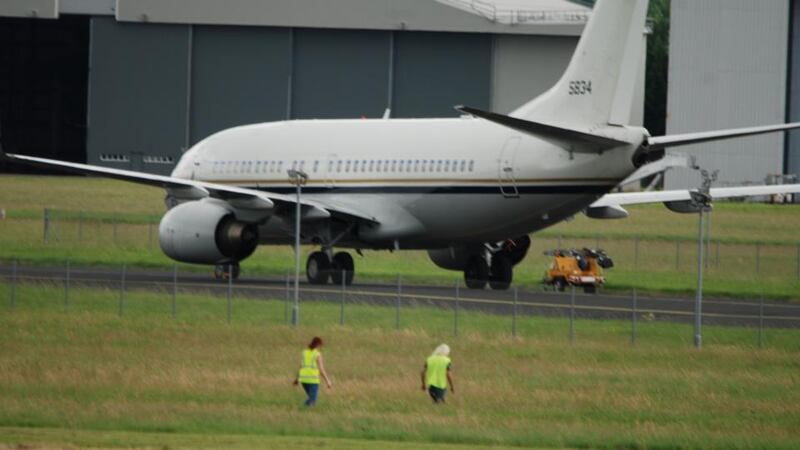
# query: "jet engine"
206, 232
456, 258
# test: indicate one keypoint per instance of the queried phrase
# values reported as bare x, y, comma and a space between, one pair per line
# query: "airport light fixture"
297, 178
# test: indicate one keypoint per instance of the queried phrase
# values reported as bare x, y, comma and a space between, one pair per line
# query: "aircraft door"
506, 172
330, 169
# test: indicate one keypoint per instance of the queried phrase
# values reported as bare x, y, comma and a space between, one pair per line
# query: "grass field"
86, 376
755, 249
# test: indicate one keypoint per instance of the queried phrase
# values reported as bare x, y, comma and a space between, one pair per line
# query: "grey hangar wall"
156, 89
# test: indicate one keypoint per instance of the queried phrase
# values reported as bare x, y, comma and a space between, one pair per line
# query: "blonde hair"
442, 349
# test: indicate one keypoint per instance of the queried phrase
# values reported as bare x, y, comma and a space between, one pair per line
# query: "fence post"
716, 255
174, 290
46, 224
397, 309
514, 313
122, 291
14, 284
341, 308
758, 259
636, 253
761, 322
286, 300
114, 228
66, 287
677, 255
230, 290
80, 226
572, 316
149, 235
633, 317
455, 311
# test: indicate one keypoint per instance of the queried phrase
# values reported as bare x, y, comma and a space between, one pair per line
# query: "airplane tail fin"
598, 85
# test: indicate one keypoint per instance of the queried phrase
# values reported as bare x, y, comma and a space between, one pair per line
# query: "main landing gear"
226, 271
321, 267
495, 266
498, 274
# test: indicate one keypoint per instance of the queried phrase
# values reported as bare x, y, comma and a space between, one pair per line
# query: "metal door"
506, 175
332, 166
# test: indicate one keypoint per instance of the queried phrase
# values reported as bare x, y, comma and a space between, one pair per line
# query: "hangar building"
132, 83
735, 63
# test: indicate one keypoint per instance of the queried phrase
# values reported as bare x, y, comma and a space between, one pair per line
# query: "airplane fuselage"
431, 182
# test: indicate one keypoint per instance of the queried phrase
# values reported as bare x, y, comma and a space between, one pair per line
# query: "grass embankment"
86, 376
754, 249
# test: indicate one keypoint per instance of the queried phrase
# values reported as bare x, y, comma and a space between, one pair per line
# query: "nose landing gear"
226, 271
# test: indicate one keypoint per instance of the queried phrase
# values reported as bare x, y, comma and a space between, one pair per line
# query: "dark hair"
315, 343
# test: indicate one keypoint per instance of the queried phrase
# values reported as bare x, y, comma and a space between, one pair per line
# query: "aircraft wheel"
318, 268
342, 262
501, 273
477, 273
234, 271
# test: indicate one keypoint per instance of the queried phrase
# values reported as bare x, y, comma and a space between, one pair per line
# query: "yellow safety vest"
436, 372
309, 371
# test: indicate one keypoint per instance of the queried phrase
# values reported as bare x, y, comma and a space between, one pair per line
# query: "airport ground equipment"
579, 268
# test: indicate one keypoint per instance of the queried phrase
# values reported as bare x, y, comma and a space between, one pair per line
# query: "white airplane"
468, 190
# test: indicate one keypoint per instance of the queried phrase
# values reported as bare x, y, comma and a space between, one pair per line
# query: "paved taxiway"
529, 301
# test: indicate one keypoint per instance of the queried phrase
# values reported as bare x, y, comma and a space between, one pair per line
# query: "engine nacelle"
204, 232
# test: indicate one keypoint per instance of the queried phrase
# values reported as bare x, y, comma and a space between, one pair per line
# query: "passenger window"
347, 166
463, 165
338, 166
471, 165
316, 165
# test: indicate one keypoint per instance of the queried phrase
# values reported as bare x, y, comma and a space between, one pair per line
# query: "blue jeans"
311, 392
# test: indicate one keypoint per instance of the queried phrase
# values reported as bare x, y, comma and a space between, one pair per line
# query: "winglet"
566, 138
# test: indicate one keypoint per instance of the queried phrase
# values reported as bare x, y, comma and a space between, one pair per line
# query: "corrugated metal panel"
41, 9
240, 75
340, 73
436, 71
416, 15
137, 93
728, 69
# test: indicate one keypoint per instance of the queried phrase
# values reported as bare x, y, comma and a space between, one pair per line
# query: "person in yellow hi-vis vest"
311, 367
437, 374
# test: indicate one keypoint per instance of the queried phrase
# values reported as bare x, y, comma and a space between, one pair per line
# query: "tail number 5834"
581, 87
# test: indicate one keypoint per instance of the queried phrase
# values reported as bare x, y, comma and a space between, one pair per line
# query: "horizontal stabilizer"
675, 140
567, 138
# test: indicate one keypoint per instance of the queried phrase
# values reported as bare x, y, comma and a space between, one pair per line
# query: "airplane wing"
240, 198
637, 198
675, 140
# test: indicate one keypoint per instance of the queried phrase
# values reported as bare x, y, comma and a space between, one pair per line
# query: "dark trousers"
437, 394
311, 391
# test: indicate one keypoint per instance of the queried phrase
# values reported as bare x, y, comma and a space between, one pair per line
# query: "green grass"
119, 226
41, 438
83, 375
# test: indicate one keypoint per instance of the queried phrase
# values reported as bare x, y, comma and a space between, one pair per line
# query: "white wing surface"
638, 198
